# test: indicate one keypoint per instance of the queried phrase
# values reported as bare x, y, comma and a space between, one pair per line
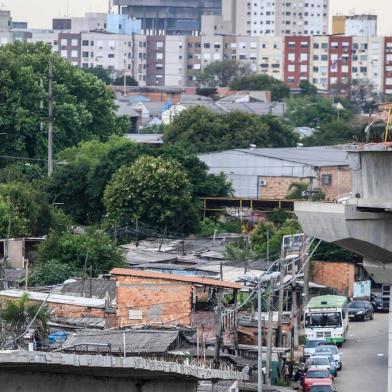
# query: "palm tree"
298, 191
17, 315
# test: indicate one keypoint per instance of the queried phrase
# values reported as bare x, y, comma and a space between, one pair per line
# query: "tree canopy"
200, 130
279, 89
220, 73
77, 252
83, 104
155, 191
24, 210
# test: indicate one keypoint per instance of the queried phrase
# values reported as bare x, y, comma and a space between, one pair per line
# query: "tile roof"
136, 341
180, 278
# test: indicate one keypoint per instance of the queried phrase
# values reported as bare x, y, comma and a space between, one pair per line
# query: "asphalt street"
365, 357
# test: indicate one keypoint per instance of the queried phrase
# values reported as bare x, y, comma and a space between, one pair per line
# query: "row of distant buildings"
244, 17
118, 43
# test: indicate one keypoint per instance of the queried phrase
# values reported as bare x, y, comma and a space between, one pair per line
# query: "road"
365, 361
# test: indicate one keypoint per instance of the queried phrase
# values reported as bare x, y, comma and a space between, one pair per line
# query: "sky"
39, 13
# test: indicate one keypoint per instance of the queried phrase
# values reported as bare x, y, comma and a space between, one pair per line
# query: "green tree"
154, 191
51, 272
313, 111
279, 90
24, 210
336, 132
220, 73
76, 253
258, 237
83, 104
130, 81
101, 73
199, 130
307, 88
16, 316
298, 191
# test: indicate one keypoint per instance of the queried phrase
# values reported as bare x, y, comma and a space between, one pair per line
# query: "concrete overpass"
364, 223
42, 371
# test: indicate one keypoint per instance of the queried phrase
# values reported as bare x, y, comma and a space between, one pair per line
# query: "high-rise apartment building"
276, 17
174, 17
356, 25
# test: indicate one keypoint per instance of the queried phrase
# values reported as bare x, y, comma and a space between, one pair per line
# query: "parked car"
377, 302
334, 368
311, 345
316, 376
322, 387
325, 361
331, 349
319, 362
360, 310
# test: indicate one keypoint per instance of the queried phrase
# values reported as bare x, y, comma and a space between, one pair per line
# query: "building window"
326, 179
85, 42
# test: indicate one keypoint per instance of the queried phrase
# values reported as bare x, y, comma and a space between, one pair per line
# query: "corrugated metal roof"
145, 138
313, 156
55, 298
99, 287
79, 322
136, 341
180, 278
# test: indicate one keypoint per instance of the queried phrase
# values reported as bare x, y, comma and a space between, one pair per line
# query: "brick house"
337, 275
144, 297
267, 173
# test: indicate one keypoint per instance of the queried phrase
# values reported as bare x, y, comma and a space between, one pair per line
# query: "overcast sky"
40, 12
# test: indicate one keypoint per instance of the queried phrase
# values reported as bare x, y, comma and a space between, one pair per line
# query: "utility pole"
26, 274
50, 119
3, 263
282, 265
260, 342
306, 264
270, 327
218, 329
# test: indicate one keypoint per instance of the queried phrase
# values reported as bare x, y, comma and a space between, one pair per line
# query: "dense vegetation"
201, 130
116, 187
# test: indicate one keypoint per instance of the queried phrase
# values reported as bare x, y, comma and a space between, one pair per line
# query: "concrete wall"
25, 381
338, 275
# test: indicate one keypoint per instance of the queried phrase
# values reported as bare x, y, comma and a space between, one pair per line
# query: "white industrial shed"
245, 168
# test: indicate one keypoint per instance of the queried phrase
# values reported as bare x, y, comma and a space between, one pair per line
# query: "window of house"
326, 179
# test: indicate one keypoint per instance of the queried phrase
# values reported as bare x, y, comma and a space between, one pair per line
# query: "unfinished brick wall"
156, 301
341, 182
65, 310
338, 275
277, 188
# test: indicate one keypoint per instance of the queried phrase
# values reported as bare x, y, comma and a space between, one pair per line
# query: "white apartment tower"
277, 17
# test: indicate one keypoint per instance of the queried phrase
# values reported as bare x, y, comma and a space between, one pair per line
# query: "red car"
316, 376
322, 388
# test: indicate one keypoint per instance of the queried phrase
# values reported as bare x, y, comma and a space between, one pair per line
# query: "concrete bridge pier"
364, 223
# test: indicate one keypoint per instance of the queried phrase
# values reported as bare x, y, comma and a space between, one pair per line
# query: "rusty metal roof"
179, 278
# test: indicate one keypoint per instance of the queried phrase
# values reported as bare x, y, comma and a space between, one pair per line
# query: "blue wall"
121, 24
